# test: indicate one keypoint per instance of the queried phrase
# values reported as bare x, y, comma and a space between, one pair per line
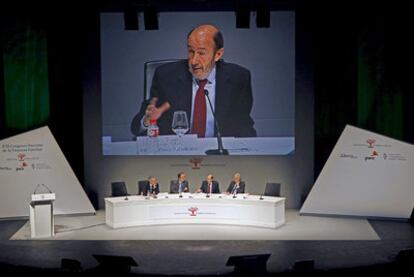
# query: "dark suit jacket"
172, 82
146, 188
215, 187
175, 185
241, 188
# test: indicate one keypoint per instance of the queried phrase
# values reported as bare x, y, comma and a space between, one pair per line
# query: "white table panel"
247, 210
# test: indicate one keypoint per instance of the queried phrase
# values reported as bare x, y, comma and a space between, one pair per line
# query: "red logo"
21, 158
196, 162
374, 153
193, 211
370, 143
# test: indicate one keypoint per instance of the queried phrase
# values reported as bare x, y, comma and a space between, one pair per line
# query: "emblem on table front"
193, 211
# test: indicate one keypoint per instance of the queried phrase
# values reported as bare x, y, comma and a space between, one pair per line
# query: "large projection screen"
268, 53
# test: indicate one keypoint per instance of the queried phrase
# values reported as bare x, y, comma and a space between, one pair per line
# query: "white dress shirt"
211, 87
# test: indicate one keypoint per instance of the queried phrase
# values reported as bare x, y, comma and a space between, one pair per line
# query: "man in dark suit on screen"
209, 186
181, 86
180, 185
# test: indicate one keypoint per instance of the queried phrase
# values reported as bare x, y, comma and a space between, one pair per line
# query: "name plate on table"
194, 211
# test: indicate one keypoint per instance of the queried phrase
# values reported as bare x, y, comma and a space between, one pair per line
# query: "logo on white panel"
348, 156
373, 155
371, 143
394, 157
21, 157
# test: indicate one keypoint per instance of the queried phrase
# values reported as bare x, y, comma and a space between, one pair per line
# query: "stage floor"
297, 227
202, 256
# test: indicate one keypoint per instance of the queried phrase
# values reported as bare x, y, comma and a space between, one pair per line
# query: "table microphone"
220, 150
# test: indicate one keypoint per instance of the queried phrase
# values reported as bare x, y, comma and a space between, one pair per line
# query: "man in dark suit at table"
209, 186
236, 185
150, 188
180, 185
181, 86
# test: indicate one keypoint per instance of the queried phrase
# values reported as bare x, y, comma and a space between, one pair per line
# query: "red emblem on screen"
370, 143
193, 211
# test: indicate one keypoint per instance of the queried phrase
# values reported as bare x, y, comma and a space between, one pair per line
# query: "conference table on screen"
197, 208
192, 145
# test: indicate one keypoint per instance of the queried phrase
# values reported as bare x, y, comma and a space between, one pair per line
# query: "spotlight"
304, 266
151, 19
131, 20
405, 257
70, 265
263, 17
114, 264
243, 17
250, 264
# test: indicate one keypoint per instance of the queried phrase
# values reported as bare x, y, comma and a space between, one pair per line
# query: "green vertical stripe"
25, 76
380, 97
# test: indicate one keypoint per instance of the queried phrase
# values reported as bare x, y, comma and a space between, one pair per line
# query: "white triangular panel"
33, 158
367, 175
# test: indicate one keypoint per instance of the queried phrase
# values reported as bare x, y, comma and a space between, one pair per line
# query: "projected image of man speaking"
181, 86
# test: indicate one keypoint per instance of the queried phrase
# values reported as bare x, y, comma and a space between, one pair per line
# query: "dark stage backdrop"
362, 74
359, 61
40, 77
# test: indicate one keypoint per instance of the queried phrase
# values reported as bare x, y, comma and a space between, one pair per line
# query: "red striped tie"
200, 111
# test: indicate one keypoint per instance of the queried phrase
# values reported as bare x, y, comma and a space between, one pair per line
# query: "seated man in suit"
181, 86
151, 188
209, 186
236, 185
180, 185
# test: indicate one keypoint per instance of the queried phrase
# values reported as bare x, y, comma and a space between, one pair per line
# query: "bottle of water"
153, 129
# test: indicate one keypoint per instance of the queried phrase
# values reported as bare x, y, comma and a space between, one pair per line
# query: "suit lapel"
222, 101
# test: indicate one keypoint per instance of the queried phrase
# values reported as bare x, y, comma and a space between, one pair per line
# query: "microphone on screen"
220, 150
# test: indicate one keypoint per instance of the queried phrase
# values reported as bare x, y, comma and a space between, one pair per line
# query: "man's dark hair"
179, 174
218, 39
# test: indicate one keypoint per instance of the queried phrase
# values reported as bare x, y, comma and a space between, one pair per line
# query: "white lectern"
41, 215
